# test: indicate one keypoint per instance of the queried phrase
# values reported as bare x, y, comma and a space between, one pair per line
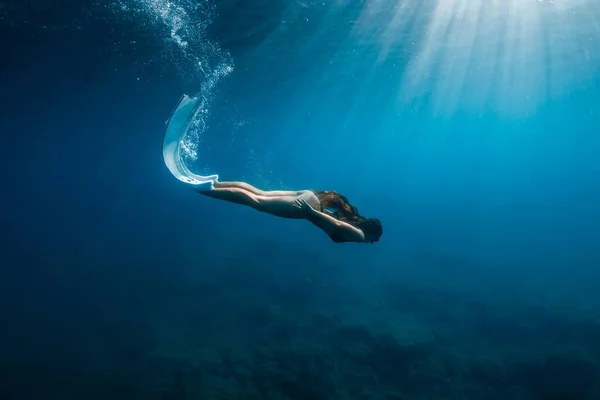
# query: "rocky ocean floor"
253, 327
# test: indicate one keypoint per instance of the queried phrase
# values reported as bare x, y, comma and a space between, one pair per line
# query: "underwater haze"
470, 128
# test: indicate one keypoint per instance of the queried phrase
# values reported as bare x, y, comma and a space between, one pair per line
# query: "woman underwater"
329, 211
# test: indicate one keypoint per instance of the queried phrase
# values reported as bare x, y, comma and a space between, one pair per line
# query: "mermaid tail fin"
177, 126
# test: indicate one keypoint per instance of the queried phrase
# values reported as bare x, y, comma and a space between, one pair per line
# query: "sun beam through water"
508, 55
505, 56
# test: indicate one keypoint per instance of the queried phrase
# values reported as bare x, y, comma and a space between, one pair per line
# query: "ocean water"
469, 128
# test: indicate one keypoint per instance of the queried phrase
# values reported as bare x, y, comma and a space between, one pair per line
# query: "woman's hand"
303, 205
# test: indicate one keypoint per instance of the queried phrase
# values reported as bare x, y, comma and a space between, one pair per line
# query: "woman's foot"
204, 187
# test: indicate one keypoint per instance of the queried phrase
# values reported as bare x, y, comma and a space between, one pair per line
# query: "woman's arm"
330, 224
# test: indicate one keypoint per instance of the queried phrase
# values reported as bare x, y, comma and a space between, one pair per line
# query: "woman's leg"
233, 195
280, 206
249, 188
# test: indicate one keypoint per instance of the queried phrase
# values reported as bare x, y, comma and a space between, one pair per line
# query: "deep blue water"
469, 129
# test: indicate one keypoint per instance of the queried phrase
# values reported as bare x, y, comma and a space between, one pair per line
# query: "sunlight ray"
509, 56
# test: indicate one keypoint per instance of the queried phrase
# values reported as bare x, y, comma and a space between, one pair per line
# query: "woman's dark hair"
347, 212
339, 204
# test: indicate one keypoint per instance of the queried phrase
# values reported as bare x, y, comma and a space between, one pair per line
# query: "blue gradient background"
119, 282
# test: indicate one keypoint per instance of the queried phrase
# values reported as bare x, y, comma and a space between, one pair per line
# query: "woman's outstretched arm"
330, 224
